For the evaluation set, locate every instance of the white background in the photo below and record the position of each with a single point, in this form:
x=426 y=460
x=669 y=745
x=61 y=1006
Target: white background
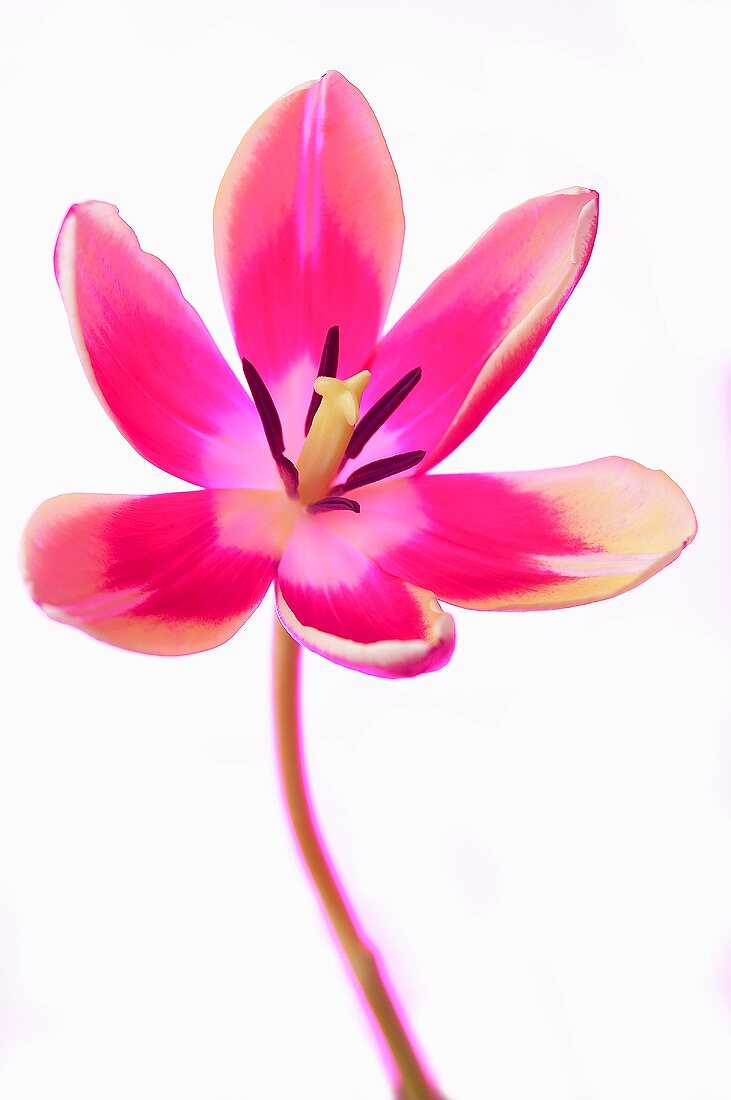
x=539 y=835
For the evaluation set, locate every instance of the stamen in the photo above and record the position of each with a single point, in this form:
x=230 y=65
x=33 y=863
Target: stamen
x=380 y=469
x=265 y=407
x=334 y=504
x=272 y=426
x=380 y=412
x=289 y=474
x=328 y=368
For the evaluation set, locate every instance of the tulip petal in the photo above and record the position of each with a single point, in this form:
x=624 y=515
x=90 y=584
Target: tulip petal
x=526 y=541
x=169 y=574
x=332 y=598
x=477 y=327
x=309 y=229
x=150 y=359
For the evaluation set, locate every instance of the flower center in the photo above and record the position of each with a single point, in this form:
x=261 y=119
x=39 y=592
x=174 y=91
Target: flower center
x=333 y=432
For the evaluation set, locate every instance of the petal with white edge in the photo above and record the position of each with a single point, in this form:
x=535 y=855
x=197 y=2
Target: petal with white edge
x=337 y=602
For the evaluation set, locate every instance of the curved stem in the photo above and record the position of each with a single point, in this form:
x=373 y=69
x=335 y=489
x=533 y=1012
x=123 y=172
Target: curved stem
x=411 y=1079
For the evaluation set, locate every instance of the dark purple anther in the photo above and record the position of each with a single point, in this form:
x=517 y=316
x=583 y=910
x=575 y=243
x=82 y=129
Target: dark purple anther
x=334 y=504
x=288 y=473
x=380 y=469
x=379 y=413
x=328 y=368
x=272 y=426
x=265 y=407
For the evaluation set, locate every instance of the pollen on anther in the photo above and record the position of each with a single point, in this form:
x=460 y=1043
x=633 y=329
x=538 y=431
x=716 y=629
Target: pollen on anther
x=265 y=407
x=272 y=426
x=379 y=413
x=334 y=504
x=289 y=474
x=328 y=368
x=380 y=470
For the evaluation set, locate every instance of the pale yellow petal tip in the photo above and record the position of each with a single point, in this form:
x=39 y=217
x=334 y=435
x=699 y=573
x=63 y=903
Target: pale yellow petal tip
x=674 y=510
x=444 y=628
x=441 y=623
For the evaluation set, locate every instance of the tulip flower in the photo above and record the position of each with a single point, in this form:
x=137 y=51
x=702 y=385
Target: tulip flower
x=320 y=481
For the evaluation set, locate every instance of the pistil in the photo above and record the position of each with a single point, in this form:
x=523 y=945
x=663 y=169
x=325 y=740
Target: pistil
x=330 y=433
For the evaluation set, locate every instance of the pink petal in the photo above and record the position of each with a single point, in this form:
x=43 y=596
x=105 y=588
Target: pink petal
x=309 y=228
x=337 y=602
x=170 y=574
x=524 y=541
x=150 y=359
x=477 y=327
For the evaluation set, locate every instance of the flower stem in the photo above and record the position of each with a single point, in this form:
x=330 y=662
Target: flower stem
x=411 y=1079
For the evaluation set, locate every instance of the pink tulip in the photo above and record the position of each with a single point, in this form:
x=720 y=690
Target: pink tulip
x=308 y=232
x=319 y=481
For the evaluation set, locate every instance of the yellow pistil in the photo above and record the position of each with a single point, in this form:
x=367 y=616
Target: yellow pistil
x=330 y=433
